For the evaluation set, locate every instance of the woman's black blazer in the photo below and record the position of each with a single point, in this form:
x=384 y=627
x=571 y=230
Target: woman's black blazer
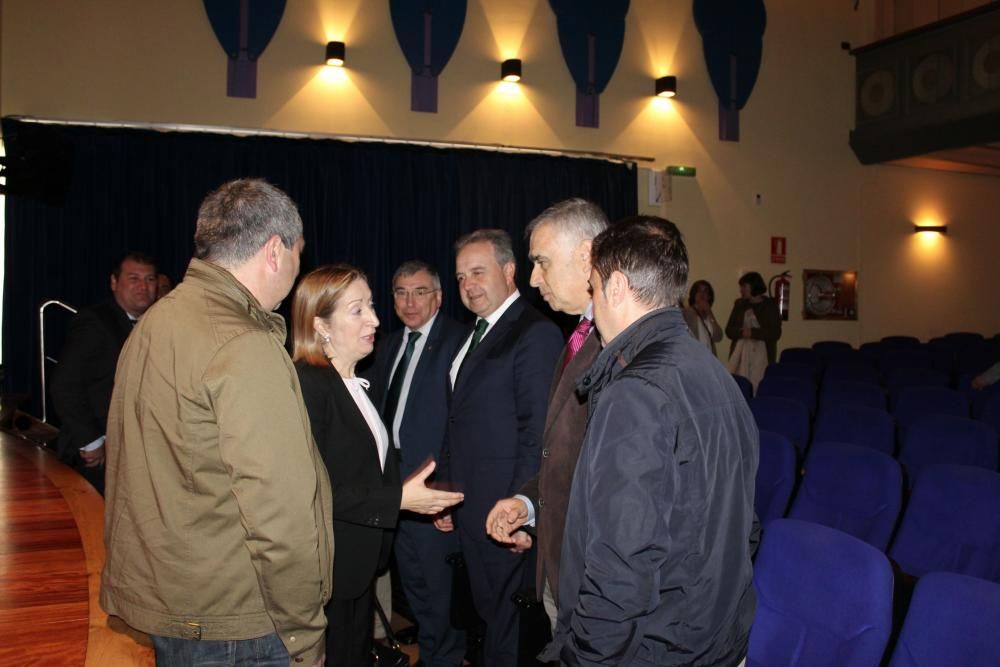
x=365 y=500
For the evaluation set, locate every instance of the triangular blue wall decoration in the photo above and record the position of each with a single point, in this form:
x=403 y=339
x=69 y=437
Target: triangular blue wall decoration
x=591 y=34
x=732 y=37
x=428 y=32
x=244 y=28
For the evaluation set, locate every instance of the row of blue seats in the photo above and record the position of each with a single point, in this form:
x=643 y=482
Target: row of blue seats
x=949 y=521
x=922 y=423
x=826 y=599
x=954 y=353
x=858 y=384
x=967 y=359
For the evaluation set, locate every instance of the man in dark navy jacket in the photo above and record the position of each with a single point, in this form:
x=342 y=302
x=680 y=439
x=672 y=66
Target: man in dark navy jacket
x=412 y=368
x=656 y=557
x=500 y=379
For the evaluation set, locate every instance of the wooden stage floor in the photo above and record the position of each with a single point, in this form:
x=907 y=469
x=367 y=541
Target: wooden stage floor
x=51 y=555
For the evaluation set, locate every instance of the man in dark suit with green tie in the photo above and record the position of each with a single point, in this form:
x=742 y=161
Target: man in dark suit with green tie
x=500 y=379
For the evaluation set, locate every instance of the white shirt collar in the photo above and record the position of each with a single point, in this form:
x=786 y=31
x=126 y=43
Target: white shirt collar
x=492 y=318
x=425 y=330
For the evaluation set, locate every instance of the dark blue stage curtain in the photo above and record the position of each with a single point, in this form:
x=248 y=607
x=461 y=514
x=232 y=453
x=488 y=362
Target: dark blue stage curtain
x=374 y=205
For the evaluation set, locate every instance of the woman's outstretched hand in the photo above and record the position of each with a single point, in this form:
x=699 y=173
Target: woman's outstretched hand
x=419 y=498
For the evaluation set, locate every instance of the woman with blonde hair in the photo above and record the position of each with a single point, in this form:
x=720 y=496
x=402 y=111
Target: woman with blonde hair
x=333 y=328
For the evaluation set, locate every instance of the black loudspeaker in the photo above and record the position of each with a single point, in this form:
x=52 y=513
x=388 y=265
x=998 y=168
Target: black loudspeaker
x=39 y=163
x=877 y=97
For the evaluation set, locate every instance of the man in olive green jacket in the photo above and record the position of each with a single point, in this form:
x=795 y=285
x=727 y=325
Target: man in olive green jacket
x=218 y=521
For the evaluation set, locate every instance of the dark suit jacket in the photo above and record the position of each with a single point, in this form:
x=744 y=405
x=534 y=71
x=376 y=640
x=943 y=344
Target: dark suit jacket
x=365 y=500
x=497 y=413
x=565 y=424
x=425 y=414
x=83 y=380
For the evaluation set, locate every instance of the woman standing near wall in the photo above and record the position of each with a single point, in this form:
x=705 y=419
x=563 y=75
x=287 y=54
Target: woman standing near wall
x=754 y=326
x=699 y=316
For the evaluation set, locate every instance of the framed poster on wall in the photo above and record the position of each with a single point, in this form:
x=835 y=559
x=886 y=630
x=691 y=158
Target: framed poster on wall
x=830 y=295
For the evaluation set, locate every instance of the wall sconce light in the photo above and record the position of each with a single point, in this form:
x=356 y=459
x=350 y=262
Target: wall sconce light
x=940 y=229
x=335 y=52
x=510 y=70
x=666 y=86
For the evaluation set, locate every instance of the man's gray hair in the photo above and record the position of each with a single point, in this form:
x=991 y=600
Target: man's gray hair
x=235 y=221
x=503 y=248
x=577 y=218
x=412 y=266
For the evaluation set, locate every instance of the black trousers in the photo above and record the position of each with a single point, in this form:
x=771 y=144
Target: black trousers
x=349 y=630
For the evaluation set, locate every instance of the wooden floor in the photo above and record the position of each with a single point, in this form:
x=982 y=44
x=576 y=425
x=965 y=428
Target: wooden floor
x=51 y=555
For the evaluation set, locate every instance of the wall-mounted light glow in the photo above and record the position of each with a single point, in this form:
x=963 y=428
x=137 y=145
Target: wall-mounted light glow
x=335 y=52
x=666 y=86
x=510 y=70
x=939 y=229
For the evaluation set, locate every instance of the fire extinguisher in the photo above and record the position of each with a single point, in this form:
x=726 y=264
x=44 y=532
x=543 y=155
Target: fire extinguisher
x=779 y=288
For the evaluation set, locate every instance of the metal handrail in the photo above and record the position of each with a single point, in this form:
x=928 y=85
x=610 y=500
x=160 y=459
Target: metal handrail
x=41 y=349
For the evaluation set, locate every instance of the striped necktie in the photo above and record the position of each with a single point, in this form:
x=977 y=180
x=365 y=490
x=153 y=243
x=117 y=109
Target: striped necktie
x=577 y=339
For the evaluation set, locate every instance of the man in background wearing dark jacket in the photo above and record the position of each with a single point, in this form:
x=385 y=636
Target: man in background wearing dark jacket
x=656 y=557
x=81 y=386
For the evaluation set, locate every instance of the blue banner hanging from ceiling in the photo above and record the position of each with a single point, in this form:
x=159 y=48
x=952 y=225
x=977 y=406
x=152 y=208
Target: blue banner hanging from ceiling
x=591 y=35
x=244 y=29
x=732 y=37
x=427 y=32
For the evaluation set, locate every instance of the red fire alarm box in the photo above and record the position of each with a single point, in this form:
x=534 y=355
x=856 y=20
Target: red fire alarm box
x=778 y=249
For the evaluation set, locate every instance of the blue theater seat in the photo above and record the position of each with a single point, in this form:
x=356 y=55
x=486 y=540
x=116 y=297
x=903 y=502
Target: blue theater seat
x=854 y=489
x=951 y=523
x=952 y=620
x=824 y=598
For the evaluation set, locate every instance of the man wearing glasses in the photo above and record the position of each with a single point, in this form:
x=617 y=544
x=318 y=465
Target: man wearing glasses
x=412 y=367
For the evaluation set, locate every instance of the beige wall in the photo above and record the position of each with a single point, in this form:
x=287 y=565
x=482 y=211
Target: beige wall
x=128 y=60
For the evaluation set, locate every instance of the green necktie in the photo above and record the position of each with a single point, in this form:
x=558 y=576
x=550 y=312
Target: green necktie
x=477 y=335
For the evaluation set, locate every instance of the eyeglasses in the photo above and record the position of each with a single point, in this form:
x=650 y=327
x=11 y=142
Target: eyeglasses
x=420 y=293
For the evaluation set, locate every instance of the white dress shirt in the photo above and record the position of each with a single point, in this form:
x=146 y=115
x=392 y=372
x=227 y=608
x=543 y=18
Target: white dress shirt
x=404 y=390
x=357 y=387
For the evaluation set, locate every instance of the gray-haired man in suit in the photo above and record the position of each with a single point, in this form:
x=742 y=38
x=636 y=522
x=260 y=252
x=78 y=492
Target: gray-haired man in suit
x=560 y=241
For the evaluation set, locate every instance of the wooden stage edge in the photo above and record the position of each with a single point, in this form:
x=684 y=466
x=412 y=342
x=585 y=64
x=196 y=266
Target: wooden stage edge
x=110 y=642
